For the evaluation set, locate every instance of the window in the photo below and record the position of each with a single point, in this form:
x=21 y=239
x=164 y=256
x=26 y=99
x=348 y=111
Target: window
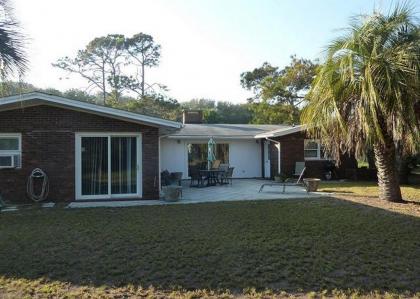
x=10 y=151
x=222 y=153
x=313 y=149
x=197 y=154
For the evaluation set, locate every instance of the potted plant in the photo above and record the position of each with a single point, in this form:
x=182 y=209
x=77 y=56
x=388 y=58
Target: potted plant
x=172 y=193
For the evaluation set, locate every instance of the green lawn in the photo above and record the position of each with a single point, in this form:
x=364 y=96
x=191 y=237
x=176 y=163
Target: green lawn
x=302 y=247
x=411 y=192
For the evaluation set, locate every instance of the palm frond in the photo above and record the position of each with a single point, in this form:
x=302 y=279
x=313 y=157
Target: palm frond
x=367 y=88
x=12 y=43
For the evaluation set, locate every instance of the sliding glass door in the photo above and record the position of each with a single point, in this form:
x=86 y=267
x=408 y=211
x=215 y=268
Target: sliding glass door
x=123 y=165
x=94 y=165
x=107 y=166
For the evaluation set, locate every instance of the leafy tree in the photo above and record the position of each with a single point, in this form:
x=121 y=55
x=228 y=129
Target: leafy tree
x=253 y=80
x=79 y=95
x=8 y=88
x=211 y=116
x=12 y=54
x=266 y=113
x=278 y=94
x=200 y=104
x=365 y=92
x=220 y=112
x=291 y=84
x=107 y=64
x=230 y=113
x=207 y=106
x=154 y=105
x=100 y=64
x=143 y=52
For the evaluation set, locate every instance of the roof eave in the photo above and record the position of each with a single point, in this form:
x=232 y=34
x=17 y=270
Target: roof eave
x=195 y=137
x=31 y=99
x=279 y=133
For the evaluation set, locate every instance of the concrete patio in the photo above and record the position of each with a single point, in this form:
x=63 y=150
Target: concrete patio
x=241 y=189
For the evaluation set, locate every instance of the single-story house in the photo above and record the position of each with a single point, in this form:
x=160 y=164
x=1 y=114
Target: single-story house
x=256 y=151
x=92 y=152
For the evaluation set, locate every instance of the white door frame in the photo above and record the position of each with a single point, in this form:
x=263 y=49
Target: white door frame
x=78 y=164
x=278 y=146
x=267 y=162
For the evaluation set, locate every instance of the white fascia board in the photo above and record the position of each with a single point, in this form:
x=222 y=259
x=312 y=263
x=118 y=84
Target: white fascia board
x=278 y=133
x=197 y=137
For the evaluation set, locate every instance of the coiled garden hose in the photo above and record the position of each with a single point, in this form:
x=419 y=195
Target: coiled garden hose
x=37 y=174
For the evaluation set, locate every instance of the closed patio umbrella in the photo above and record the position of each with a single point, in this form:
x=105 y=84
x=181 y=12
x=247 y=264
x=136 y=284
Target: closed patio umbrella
x=211 y=154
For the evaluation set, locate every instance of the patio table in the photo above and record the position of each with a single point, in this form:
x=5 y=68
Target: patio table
x=212 y=176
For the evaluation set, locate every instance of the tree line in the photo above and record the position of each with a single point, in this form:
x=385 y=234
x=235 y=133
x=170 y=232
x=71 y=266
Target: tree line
x=114 y=67
x=278 y=94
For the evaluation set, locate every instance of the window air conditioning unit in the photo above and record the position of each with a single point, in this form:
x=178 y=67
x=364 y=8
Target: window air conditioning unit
x=7 y=161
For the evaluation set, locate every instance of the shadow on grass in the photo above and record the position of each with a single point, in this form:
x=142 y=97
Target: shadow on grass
x=290 y=245
x=335 y=191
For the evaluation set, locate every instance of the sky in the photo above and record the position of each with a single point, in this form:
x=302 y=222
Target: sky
x=206 y=44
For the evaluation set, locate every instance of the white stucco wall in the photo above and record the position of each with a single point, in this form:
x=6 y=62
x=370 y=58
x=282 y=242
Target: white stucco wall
x=173 y=156
x=244 y=155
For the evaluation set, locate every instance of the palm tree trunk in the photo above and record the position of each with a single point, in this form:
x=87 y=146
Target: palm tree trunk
x=388 y=181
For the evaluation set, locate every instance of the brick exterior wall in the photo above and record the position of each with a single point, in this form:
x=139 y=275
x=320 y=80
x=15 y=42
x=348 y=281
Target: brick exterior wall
x=48 y=142
x=292 y=151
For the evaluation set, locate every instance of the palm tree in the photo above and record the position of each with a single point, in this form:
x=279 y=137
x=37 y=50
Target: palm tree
x=12 y=54
x=364 y=94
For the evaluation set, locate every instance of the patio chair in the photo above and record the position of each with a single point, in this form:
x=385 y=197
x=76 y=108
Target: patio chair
x=165 y=178
x=216 y=164
x=299 y=166
x=196 y=176
x=287 y=182
x=176 y=178
x=173 y=178
x=227 y=176
x=224 y=167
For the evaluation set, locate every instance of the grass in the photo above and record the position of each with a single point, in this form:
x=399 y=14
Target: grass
x=361 y=163
x=368 y=189
x=309 y=247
